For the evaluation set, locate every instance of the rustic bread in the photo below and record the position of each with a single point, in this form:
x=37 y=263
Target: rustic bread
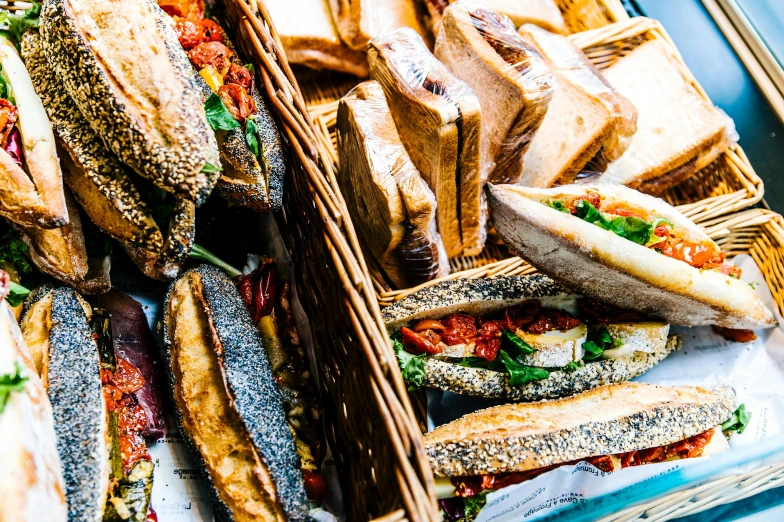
x=586 y=118
x=439 y=122
x=604 y=421
x=544 y=13
x=359 y=21
x=389 y=202
x=313 y=40
x=512 y=81
x=678 y=131
x=603 y=265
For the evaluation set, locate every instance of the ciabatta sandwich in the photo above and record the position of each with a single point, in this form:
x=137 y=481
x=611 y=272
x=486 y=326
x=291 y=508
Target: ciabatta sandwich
x=439 y=122
x=632 y=250
x=612 y=427
x=678 y=131
x=31 y=481
x=390 y=204
x=588 y=124
x=510 y=78
x=521 y=338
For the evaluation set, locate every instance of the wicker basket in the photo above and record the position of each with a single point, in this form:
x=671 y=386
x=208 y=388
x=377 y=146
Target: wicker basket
x=371 y=422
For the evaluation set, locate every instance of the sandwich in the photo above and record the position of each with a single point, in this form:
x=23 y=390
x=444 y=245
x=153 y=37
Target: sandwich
x=359 y=21
x=520 y=338
x=439 y=123
x=224 y=391
x=544 y=13
x=588 y=124
x=31 y=482
x=31 y=184
x=632 y=250
x=137 y=90
x=100 y=400
x=250 y=148
x=678 y=131
x=313 y=40
x=510 y=78
x=390 y=204
x=610 y=428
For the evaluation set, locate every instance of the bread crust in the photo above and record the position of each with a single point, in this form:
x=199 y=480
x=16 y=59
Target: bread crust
x=604 y=421
x=600 y=264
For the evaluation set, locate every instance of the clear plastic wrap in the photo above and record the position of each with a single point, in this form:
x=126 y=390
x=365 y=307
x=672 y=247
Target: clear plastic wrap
x=678 y=130
x=588 y=124
x=439 y=123
x=310 y=38
x=544 y=13
x=391 y=206
x=359 y=21
x=513 y=82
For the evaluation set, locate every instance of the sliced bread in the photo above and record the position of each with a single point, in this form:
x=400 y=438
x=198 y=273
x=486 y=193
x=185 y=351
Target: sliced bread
x=543 y=13
x=359 y=21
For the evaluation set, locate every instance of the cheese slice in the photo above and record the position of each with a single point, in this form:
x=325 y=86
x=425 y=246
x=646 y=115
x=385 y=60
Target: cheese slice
x=555 y=349
x=444 y=488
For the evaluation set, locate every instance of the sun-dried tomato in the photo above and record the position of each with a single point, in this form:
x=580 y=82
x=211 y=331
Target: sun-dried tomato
x=127 y=378
x=152 y=516
x=133 y=449
x=591 y=197
x=458 y=329
x=734 y=334
x=238 y=101
x=244 y=284
x=487 y=348
x=602 y=462
x=211 y=53
x=188 y=34
x=522 y=314
x=427 y=324
x=191 y=9
x=131 y=418
x=622 y=211
x=315 y=485
x=550 y=319
x=8 y=116
x=492 y=328
x=417 y=343
x=239 y=75
x=210 y=30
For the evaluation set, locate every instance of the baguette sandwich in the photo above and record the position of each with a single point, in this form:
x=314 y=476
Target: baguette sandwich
x=611 y=428
x=438 y=120
x=359 y=21
x=521 y=338
x=678 y=131
x=31 y=481
x=101 y=405
x=544 y=13
x=31 y=184
x=389 y=202
x=635 y=251
x=510 y=78
x=588 y=124
x=313 y=40
x=223 y=387
x=248 y=138
x=122 y=66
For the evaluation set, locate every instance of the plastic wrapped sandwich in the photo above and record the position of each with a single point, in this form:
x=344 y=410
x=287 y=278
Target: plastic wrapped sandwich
x=544 y=13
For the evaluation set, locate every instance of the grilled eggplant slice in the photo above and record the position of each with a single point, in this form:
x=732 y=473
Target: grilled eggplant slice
x=108 y=473
x=63 y=253
x=31 y=184
x=31 y=481
x=228 y=407
x=136 y=89
x=97 y=179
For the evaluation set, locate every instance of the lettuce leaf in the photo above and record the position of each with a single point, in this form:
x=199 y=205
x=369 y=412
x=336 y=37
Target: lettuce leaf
x=629 y=227
x=411 y=366
x=738 y=421
x=520 y=374
x=11 y=382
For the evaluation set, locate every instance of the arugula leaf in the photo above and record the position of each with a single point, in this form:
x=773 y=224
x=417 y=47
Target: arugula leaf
x=519 y=374
x=16 y=294
x=738 y=421
x=753 y=284
x=250 y=67
x=218 y=115
x=473 y=505
x=209 y=168
x=252 y=136
x=11 y=383
x=411 y=366
x=571 y=367
x=17 y=23
x=558 y=205
x=13 y=252
x=5 y=88
x=514 y=345
x=629 y=227
x=598 y=342
x=202 y=254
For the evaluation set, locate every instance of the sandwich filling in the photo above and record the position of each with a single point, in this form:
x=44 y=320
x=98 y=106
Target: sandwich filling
x=10 y=137
x=640 y=226
x=529 y=340
x=266 y=297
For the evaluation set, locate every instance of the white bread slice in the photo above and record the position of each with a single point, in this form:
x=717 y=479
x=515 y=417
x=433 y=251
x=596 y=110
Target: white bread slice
x=313 y=40
x=439 y=123
x=391 y=206
x=586 y=117
x=604 y=421
x=513 y=82
x=600 y=264
x=359 y=21
x=677 y=129
x=543 y=13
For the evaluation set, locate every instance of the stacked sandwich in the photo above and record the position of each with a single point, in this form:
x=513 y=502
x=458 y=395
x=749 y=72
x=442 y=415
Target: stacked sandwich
x=628 y=265
x=127 y=140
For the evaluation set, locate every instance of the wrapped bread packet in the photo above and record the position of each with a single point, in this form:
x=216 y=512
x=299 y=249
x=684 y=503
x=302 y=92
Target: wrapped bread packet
x=544 y=13
x=390 y=204
x=510 y=78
